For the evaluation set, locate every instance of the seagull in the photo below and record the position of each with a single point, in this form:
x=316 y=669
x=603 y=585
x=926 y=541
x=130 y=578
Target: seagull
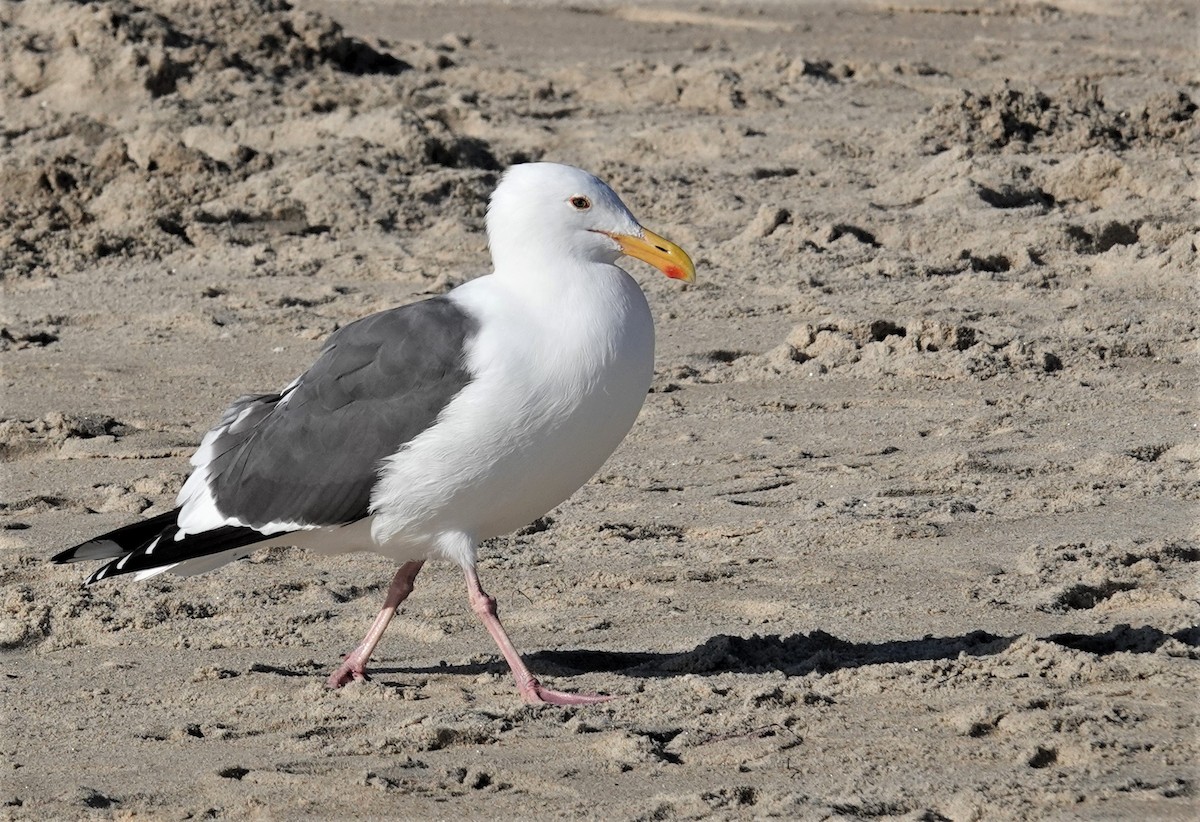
x=422 y=430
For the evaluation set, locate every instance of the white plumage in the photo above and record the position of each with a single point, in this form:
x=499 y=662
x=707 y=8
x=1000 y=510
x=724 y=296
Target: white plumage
x=424 y=430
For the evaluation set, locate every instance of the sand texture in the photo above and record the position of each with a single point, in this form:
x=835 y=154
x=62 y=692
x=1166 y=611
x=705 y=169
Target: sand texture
x=907 y=528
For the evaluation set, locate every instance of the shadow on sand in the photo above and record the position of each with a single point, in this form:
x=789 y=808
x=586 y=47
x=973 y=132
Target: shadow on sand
x=801 y=654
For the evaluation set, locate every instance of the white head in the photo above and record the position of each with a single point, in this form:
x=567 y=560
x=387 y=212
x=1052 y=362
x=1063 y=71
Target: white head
x=557 y=212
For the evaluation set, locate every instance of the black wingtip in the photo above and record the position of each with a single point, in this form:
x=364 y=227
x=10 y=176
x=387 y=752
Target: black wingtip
x=100 y=573
x=163 y=550
x=119 y=542
x=92 y=549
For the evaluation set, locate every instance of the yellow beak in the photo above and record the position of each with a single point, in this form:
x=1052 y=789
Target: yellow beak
x=660 y=252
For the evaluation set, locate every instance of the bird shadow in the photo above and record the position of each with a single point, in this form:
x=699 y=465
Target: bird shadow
x=800 y=654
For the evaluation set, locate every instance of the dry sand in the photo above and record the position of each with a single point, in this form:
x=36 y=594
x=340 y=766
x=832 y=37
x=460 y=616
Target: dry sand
x=907 y=529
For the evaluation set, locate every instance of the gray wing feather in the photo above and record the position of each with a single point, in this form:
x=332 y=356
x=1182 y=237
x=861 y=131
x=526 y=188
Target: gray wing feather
x=313 y=460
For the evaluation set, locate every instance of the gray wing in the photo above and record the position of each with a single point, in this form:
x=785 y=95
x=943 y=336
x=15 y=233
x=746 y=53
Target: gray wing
x=310 y=454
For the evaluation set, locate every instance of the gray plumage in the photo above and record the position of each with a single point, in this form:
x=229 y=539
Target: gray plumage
x=310 y=455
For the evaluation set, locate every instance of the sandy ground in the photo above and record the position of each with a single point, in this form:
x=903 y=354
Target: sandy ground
x=907 y=529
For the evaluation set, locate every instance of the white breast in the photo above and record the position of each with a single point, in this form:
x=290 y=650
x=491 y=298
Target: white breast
x=559 y=380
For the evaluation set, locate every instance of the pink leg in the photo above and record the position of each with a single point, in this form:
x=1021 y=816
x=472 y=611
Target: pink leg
x=531 y=690
x=355 y=665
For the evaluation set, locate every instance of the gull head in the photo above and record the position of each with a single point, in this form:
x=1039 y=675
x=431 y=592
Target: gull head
x=552 y=212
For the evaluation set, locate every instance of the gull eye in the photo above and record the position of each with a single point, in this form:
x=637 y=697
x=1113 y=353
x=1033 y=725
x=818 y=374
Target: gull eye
x=580 y=203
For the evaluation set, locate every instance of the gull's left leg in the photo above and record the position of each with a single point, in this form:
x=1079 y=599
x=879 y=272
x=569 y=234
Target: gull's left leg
x=355 y=665
x=531 y=690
